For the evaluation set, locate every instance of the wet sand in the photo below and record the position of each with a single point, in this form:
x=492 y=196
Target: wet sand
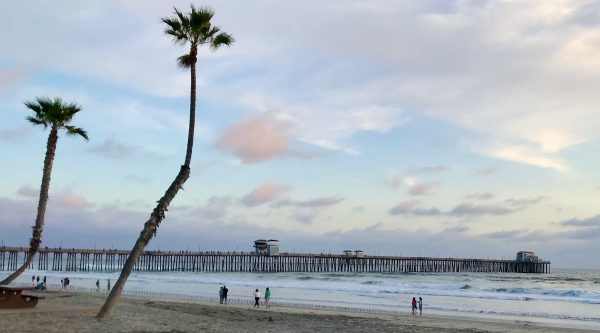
x=74 y=312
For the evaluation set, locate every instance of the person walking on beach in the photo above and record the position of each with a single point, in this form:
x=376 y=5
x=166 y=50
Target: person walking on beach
x=97 y=285
x=256 y=298
x=420 y=306
x=414 y=307
x=44 y=279
x=33 y=280
x=267 y=297
x=221 y=295
x=225 y=291
x=108 y=285
x=38 y=279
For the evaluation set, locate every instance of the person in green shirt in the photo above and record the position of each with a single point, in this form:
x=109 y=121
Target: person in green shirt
x=267 y=297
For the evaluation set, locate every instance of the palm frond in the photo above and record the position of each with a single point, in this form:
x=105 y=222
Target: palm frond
x=221 y=39
x=72 y=130
x=175 y=30
x=184 y=61
x=36 y=121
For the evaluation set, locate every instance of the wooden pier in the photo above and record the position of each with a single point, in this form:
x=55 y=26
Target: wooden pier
x=59 y=259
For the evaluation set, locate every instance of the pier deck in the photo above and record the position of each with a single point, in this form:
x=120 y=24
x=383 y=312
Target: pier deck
x=60 y=259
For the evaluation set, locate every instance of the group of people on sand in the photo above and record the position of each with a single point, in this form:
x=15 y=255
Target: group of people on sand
x=65 y=282
x=416 y=303
x=107 y=285
x=223 y=295
x=37 y=284
x=257 y=296
x=223 y=291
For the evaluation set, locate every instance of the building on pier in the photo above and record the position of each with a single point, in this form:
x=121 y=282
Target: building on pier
x=527 y=256
x=266 y=247
x=272 y=247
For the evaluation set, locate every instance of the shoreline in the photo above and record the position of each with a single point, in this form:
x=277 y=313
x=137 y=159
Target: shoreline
x=64 y=311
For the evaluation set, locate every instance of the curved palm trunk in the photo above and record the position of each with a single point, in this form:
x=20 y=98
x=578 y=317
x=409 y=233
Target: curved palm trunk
x=36 y=238
x=151 y=225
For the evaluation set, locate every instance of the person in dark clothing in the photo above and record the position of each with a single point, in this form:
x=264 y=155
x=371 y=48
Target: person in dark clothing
x=225 y=291
x=44 y=279
x=38 y=279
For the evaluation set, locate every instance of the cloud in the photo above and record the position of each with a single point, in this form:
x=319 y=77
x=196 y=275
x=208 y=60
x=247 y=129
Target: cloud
x=413 y=187
x=593 y=221
x=265 y=193
x=358 y=209
x=11 y=76
x=64 y=197
x=487 y=171
x=470 y=209
x=430 y=169
x=117 y=227
x=67 y=198
x=528 y=156
x=215 y=208
x=113 y=149
x=481 y=196
x=28 y=191
x=257 y=139
x=15 y=134
x=304 y=218
x=465 y=209
x=311 y=203
x=505 y=234
x=329 y=121
x=411 y=208
x=525 y=201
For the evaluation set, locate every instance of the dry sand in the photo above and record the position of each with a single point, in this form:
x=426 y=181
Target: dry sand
x=74 y=312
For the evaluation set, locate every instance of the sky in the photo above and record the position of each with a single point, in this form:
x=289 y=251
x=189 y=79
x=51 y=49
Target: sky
x=430 y=128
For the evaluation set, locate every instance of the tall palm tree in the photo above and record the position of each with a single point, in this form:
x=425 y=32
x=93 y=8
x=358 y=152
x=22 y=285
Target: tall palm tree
x=193 y=28
x=56 y=115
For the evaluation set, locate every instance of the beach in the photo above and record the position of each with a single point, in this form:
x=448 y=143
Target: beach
x=74 y=312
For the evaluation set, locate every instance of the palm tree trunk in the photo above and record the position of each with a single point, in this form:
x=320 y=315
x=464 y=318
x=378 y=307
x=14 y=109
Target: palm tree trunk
x=151 y=226
x=36 y=238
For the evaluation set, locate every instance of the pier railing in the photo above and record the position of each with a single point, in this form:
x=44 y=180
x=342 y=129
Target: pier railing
x=60 y=259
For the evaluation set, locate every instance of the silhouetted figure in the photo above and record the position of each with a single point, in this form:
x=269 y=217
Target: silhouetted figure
x=225 y=291
x=108 y=285
x=97 y=285
x=221 y=295
x=420 y=306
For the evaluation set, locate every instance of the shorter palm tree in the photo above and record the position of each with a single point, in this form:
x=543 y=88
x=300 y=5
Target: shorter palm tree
x=56 y=115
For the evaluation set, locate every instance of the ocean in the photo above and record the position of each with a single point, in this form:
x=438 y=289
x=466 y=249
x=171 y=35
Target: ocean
x=566 y=298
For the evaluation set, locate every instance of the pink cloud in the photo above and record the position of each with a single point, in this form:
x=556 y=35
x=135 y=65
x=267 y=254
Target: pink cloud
x=263 y=194
x=11 y=76
x=67 y=198
x=254 y=140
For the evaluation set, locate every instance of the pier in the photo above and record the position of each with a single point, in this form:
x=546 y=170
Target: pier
x=60 y=259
